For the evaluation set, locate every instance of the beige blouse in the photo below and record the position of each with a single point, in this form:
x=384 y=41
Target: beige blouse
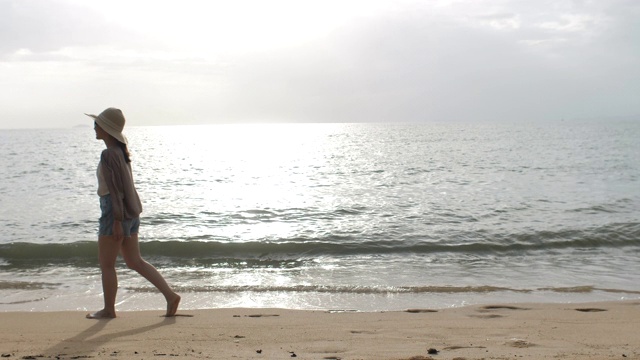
x=115 y=178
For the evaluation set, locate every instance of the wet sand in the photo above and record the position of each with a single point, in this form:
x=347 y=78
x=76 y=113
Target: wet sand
x=609 y=330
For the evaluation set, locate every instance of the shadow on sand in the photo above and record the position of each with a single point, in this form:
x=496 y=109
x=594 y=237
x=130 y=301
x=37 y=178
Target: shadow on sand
x=86 y=343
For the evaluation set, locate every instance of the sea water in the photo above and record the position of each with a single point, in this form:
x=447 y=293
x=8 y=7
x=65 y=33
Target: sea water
x=332 y=216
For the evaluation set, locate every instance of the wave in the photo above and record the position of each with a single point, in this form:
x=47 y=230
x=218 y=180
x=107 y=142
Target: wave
x=324 y=289
x=289 y=252
x=26 y=285
x=384 y=290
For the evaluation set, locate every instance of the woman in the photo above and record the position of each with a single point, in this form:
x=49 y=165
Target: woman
x=119 y=222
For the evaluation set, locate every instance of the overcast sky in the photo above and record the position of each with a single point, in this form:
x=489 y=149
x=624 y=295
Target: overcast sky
x=187 y=62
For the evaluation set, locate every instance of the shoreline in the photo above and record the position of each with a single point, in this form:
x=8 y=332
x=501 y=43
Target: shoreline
x=597 y=330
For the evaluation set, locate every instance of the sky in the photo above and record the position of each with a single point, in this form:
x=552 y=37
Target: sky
x=195 y=62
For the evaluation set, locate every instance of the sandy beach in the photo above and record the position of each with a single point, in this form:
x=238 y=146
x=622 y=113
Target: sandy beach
x=500 y=331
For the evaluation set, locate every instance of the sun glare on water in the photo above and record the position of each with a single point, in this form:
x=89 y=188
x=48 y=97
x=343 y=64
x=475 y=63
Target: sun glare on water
x=249 y=169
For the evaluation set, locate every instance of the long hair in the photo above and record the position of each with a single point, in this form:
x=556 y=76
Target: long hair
x=125 y=151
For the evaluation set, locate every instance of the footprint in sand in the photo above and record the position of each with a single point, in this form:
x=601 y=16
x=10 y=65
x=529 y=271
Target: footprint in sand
x=464 y=347
x=487 y=316
x=488 y=308
x=519 y=343
x=499 y=307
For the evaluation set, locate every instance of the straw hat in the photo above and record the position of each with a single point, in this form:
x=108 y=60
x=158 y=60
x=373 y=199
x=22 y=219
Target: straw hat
x=112 y=121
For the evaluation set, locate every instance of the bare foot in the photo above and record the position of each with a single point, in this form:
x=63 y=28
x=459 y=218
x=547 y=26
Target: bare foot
x=102 y=314
x=172 y=306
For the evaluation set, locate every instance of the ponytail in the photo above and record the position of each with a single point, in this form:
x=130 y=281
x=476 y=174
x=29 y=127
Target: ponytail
x=125 y=151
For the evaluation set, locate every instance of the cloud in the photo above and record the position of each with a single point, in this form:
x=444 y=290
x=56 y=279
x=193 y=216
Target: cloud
x=415 y=61
x=501 y=21
x=39 y=26
x=572 y=23
x=425 y=67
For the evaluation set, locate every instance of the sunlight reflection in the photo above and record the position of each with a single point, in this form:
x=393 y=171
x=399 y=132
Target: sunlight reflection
x=276 y=168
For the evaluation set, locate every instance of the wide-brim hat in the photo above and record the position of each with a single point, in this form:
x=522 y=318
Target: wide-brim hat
x=112 y=121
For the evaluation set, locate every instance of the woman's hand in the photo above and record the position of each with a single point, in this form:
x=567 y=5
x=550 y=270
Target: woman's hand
x=118 y=234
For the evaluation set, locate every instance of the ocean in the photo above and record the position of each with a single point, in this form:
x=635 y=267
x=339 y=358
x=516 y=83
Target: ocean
x=344 y=217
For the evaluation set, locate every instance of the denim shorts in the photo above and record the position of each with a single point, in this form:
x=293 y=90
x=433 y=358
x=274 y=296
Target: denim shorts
x=129 y=226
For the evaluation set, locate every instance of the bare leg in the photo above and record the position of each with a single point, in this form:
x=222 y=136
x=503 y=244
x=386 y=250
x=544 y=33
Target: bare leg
x=131 y=255
x=108 y=249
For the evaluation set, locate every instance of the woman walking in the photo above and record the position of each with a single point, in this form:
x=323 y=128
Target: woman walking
x=119 y=222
